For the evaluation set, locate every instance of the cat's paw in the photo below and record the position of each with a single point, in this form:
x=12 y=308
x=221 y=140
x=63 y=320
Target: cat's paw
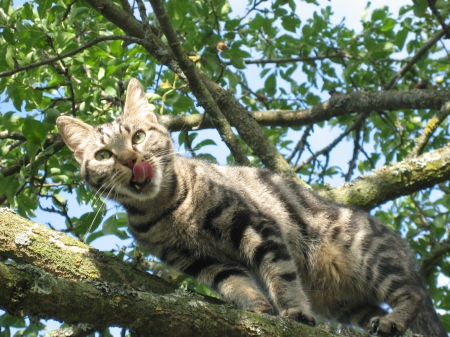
x=262 y=307
x=298 y=315
x=381 y=326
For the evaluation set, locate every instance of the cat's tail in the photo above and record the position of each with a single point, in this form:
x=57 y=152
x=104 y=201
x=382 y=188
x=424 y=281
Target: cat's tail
x=427 y=322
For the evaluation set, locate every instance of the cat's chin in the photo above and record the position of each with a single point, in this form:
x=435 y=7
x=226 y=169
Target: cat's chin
x=143 y=191
x=139 y=187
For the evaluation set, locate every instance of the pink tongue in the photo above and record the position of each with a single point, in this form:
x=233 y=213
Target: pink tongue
x=142 y=172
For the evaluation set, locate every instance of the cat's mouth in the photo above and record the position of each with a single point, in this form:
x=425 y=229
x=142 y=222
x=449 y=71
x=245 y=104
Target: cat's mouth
x=142 y=176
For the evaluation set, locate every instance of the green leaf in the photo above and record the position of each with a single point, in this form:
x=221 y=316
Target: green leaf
x=238 y=62
x=10 y=122
x=9 y=36
x=257 y=22
x=78 y=12
x=27 y=12
x=64 y=38
x=175 y=14
x=43 y=6
x=203 y=143
x=400 y=38
x=290 y=23
x=111 y=91
x=9 y=185
x=420 y=7
x=9 y=57
x=8 y=320
x=6 y=5
x=270 y=85
x=109 y=226
x=88 y=222
x=34 y=131
x=388 y=25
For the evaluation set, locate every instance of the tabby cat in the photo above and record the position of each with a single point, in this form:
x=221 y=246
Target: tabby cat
x=263 y=242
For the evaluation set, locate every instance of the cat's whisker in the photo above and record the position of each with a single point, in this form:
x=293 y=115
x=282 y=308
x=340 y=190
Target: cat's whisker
x=98 y=212
x=111 y=183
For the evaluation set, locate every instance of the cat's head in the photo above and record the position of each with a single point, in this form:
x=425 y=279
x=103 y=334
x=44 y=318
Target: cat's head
x=127 y=158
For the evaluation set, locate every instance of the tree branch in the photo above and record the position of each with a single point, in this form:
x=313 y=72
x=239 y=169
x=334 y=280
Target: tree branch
x=68 y=54
x=393 y=181
x=296 y=59
x=337 y=105
x=429 y=262
x=427 y=46
x=445 y=28
x=326 y=150
x=70 y=281
x=198 y=88
x=431 y=126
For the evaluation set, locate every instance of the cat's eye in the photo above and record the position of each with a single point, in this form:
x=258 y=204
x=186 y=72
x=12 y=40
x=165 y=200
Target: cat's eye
x=138 y=137
x=102 y=155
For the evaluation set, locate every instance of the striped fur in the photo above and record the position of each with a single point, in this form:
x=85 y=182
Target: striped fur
x=264 y=243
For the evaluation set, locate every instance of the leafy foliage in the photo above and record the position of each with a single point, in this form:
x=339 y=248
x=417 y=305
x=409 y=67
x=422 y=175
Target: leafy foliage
x=270 y=57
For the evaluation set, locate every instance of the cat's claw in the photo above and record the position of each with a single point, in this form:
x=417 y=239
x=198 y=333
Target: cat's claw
x=384 y=327
x=298 y=315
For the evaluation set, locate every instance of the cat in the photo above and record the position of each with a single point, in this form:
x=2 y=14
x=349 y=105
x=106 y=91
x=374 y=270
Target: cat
x=263 y=242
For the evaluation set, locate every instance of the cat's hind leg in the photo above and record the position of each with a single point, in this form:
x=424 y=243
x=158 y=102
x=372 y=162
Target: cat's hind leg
x=405 y=301
x=356 y=314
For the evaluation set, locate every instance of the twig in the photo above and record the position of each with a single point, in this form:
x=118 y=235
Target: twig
x=296 y=59
x=440 y=250
x=68 y=54
x=427 y=46
x=299 y=148
x=188 y=143
x=328 y=148
x=429 y=130
x=356 y=149
x=12 y=135
x=197 y=86
x=259 y=97
x=445 y=28
x=255 y=4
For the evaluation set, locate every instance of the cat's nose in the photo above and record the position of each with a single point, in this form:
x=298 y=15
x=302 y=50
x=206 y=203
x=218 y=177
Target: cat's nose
x=128 y=161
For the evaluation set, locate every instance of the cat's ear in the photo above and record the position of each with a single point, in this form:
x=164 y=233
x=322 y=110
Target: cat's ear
x=136 y=103
x=74 y=133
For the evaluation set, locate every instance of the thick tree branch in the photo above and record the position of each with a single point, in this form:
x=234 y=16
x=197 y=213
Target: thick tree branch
x=337 y=105
x=59 y=277
x=393 y=181
x=197 y=86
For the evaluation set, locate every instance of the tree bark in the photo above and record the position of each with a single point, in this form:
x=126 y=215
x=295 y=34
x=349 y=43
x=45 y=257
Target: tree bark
x=56 y=276
x=337 y=105
x=393 y=181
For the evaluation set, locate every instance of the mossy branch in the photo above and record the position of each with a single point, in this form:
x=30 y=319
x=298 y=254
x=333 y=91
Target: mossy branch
x=56 y=276
x=393 y=181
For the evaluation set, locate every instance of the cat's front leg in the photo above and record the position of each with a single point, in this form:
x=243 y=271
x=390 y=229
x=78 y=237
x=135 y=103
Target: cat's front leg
x=233 y=283
x=277 y=268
